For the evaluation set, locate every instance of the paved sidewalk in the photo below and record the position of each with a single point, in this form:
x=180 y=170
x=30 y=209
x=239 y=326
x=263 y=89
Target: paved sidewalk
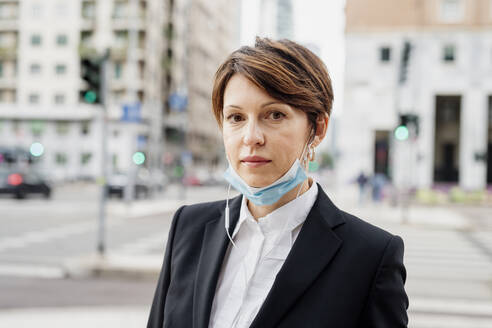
x=83 y=317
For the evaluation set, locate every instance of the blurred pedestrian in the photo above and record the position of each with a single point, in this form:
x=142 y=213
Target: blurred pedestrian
x=281 y=254
x=378 y=181
x=362 y=180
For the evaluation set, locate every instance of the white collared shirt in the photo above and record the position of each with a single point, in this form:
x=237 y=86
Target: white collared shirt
x=250 y=268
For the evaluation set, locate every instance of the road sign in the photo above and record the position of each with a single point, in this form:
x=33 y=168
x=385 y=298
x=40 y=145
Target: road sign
x=131 y=112
x=178 y=102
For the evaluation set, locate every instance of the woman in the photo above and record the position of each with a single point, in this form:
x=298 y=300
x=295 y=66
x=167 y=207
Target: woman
x=280 y=254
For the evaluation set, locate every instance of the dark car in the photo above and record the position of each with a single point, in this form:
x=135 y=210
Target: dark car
x=21 y=183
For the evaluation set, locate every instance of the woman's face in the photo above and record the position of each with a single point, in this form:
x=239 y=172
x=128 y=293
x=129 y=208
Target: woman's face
x=262 y=136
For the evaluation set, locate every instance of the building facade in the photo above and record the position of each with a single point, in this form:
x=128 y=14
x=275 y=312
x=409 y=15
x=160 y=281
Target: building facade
x=201 y=35
x=430 y=61
x=42 y=47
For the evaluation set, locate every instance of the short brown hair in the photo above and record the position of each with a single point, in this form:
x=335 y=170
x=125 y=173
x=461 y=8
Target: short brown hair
x=286 y=70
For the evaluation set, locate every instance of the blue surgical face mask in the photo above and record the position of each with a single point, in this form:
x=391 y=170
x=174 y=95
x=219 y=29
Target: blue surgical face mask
x=264 y=195
x=272 y=193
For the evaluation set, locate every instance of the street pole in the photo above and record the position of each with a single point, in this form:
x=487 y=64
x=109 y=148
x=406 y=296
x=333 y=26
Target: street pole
x=103 y=93
x=132 y=78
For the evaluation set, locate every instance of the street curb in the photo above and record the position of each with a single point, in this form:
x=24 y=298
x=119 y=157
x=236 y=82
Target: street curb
x=114 y=265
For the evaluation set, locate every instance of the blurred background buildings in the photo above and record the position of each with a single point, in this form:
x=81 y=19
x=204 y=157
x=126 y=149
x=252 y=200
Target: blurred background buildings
x=426 y=65
x=159 y=79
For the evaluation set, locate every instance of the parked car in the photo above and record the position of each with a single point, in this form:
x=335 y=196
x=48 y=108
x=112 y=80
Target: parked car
x=117 y=184
x=22 y=183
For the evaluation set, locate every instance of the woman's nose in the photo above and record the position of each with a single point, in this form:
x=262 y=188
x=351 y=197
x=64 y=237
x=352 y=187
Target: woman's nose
x=253 y=134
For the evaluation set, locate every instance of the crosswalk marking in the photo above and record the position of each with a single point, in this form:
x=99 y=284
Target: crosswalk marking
x=145 y=245
x=452 y=306
x=447 y=321
x=31 y=271
x=448 y=277
x=41 y=236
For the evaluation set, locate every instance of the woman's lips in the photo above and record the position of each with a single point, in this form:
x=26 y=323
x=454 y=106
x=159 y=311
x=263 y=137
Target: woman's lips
x=255 y=161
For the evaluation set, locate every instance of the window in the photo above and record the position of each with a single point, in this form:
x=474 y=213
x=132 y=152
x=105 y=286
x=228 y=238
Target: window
x=59 y=99
x=16 y=127
x=119 y=9
x=61 y=40
x=60 y=69
x=85 y=158
x=117 y=70
x=37 y=128
x=118 y=95
x=61 y=158
x=61 y=9
x=114 y=162
x=34 y=98
x=451 y=11
x=385 y=54
x=121 y=39
x=35 y=69
x=37 y=10
x=88 y=9
x=85 y=128
x=62 y=127
x=36 y=40
x=449 y=53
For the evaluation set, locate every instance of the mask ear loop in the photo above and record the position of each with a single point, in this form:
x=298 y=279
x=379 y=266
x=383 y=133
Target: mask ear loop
x=227 y=225
x=227 y=217
x=284 y=227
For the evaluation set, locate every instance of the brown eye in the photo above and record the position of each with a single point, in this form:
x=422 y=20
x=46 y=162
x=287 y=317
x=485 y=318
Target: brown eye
x=234 y=118
x=277 y=115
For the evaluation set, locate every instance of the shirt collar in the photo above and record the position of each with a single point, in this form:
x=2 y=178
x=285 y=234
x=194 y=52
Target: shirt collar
x=293 y=213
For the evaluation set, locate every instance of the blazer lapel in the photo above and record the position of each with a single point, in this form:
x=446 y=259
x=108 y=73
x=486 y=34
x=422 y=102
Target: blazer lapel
x=314 y=248
x=212 y=254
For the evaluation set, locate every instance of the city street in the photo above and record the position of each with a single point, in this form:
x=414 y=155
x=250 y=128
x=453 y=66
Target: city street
x=448 y=257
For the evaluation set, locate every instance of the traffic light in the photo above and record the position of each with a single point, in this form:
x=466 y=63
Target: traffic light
x=138 y=158
x=405 y=59
x=91 y=70
x=402 y=131
x=36 y=149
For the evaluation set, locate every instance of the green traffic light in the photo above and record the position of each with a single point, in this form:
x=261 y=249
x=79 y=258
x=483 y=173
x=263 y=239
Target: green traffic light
x=401 y=133
x=37 y=149
x=139 y=158
x=90 y=97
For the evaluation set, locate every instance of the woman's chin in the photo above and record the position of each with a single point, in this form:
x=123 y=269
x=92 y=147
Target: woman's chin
x=256 y=181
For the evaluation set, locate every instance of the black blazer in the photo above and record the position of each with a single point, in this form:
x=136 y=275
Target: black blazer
x=341 y=272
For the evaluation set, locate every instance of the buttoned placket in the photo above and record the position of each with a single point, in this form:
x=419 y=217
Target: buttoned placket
x=272 y=239
x=240 y=285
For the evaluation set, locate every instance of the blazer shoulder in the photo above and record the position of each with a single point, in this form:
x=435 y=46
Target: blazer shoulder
x=201 y=213
x=365 y=232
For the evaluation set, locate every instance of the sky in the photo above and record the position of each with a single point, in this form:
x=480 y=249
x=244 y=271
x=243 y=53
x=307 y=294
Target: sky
x=319 y=22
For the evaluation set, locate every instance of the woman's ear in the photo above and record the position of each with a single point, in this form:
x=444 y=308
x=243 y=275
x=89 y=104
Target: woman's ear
x=321 y=128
